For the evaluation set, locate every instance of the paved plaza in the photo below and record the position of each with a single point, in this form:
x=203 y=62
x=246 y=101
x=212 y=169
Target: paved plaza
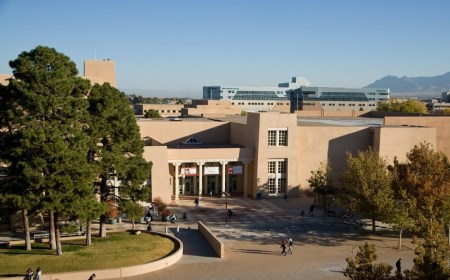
x=252 y=238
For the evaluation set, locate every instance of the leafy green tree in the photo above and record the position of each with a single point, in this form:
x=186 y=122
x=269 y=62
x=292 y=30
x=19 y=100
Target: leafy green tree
x=423 y=182
x=363 y=266
x=152 y=114
x=133 y=211
x=321 y=182
x=366 y=186
x=432 y=255
x=408 y=106
x=46 y=147
x=116 y=148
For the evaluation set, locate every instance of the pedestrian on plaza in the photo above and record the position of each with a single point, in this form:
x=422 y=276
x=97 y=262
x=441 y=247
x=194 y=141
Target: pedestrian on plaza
x=398 y=264
x=210 y=194
x=311 y=210
x=196 y=202
x=92 y=277
x=283 y=247
x=290 y=245
x=38 y=273
x=29 y=275
x=302 y=213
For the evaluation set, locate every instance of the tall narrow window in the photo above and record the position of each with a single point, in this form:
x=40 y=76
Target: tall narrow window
x=271 y=186
x=272 y=137
x=277 y=181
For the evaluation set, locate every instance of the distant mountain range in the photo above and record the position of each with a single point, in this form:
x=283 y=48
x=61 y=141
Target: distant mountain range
x=424 y=85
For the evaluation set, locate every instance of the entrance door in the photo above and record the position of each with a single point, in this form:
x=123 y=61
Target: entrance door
x=211 y=184
x=233 y=183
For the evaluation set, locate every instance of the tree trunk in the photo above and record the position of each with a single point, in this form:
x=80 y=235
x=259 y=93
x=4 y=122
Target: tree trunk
x=26 y=229
x=57 y=237
x=400 y=239
x=133 y=224
x=88 y=233
x=102 y=232
x=51 y=230
x=373 y=225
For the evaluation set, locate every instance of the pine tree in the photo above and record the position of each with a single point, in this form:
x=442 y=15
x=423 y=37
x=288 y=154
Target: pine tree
x=116 y=149
x=46 y=149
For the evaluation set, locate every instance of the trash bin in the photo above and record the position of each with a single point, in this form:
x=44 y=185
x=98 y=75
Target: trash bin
x=184 y=216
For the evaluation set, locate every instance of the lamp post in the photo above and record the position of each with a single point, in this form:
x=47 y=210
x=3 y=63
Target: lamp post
x=226 y=207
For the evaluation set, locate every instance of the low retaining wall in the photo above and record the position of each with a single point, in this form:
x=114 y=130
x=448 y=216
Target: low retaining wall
x=117 y=272
x=213 y=241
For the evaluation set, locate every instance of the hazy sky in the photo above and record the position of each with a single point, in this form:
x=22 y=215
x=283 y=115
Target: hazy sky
x=176 y=47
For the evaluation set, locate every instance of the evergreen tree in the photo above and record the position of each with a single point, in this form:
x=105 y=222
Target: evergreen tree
x=116 y=148
x=45 y=151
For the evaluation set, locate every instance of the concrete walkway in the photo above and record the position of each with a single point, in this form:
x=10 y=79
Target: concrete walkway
x=252 y=237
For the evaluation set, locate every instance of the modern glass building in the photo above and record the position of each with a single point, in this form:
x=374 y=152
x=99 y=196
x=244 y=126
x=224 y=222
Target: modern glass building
x=297 y=95
x=328 y=98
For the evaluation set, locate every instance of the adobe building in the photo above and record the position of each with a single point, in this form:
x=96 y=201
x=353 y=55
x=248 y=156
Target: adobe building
x=269 y=153
x=100 y=71
x=164 y=110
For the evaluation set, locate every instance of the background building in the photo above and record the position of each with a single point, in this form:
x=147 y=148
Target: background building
x=297 y=95
x=100 y=71
x=337 y=99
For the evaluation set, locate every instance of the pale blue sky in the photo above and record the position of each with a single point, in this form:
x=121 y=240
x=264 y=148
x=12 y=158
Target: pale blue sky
x=176 y=47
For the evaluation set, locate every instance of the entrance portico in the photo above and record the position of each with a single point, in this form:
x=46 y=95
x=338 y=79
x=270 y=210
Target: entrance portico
x=198 y=177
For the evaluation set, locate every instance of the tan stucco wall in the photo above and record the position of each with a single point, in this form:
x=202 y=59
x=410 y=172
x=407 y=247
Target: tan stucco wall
x=308 y=146
x=4 y=79
x=391 y=142
x=257 y=133
x=328 y=144
x=442 y=125
x=100 y=71
x=167 y=133
x=164 y=110
x=160 y=181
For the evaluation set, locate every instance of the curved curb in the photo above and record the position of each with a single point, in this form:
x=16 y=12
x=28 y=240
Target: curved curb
x=118 y=272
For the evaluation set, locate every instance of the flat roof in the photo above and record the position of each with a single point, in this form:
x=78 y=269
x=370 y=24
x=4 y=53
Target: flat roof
x=339 y=121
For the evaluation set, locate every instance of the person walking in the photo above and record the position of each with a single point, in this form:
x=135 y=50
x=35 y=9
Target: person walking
x=196 y=202
x=92 y=277
x=290 y=245
x=311 y=210
x=38 y=273
x=29 y=275
x=398 y=264
x=283 y=247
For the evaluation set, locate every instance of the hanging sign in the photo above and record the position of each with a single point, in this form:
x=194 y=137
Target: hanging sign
x=211 y=170
x=235 y=169
x=188 y=171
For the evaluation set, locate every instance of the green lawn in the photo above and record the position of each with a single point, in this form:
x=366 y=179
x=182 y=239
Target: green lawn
x=116 y=250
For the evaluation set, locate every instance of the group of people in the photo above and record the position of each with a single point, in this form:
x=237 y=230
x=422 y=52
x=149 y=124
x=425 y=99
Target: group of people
x=30 y=274
x=289 y=245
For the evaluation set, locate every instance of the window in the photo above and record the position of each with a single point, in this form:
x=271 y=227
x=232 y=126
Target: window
x=271 y=185
x=277 y=137
x=281 y=185
x=276 y=182
x=272 y=138
x=271 y=167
